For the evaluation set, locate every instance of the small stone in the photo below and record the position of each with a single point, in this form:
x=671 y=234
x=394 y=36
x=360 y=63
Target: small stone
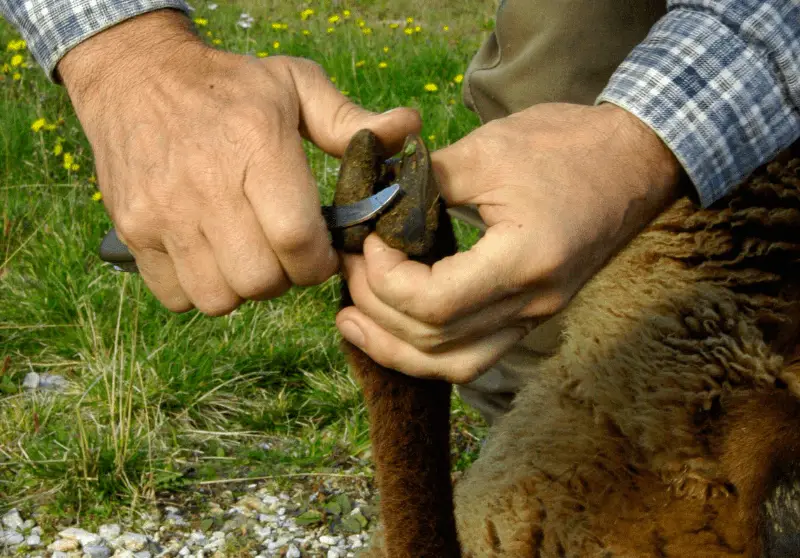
x=96 y=551
x=64 y=545
x=31 y=380
x=133 y=541
x=184 y=551
x=143 y=554
x=13 y=520
x=59 y=554
x=253 y=503
x=327 y=540
x=123 y=553
x=196 y=538
x=292 y=552
x=36 y=531
x=10 y=538
x=109 y=531
x=52 y=382
x=217 y=535
x=28 y=524
x=33 y=541
x=334 y=553
x=81 y=535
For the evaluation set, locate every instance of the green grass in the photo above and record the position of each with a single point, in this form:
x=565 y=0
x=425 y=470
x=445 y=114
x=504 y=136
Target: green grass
x=158 y=401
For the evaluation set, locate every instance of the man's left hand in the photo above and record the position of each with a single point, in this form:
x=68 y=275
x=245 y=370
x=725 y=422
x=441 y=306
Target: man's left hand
x=560 y=187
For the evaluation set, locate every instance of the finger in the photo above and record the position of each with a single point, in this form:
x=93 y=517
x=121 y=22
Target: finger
x=286 y=203
x=329 y=119
x=454 y=286
x=458 y=365
x=423 y=336
x=159 y=274
x=242 y=252
x=198 y=274
x=459 y=166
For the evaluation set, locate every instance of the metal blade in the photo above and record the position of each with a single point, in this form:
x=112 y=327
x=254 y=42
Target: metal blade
x=343 y=216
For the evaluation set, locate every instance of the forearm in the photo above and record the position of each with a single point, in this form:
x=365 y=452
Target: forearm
x=53 y=27
x=717 y=81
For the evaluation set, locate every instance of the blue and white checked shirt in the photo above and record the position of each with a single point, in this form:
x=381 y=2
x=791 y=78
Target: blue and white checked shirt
x=717 y=80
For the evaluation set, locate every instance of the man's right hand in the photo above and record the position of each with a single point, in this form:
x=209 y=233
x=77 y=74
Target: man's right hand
x=200 y=160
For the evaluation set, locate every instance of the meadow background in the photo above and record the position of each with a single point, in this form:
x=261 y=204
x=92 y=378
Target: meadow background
x=158 y=403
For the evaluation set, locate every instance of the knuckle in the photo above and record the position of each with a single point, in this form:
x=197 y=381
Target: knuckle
x=217 y=305
x=261 y=285
x=430 y=340
x=436 y=313
x=293 y=237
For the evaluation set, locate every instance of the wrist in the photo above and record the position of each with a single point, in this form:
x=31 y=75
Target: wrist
x=135 y=48
x=657 y=169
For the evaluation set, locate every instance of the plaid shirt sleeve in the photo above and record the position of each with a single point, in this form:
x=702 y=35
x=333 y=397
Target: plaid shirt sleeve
x=719 y=82
x=53 y=27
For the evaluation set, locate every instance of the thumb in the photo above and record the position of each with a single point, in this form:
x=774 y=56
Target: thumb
x=329 y=119
x=460 y=168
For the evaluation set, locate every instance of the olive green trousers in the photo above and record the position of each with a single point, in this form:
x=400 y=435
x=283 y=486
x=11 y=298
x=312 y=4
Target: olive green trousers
x=544 y=51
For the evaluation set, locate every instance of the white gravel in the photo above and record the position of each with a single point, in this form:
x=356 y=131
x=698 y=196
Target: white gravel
x=257 y=523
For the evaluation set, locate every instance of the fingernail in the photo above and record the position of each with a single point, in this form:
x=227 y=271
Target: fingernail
x=352 y=333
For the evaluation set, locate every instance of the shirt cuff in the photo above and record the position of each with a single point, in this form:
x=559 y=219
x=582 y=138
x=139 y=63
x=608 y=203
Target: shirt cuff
x=51 y=28
x=710 y=96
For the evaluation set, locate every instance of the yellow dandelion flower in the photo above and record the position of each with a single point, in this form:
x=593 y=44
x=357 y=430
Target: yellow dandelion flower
x=97 y=196
x=432 y=137
x=307 y=13
x=69 y=160
x=306 y=32
x=38 y=124
x=346 y=13
x=394 y=25
x=93 y=179
x=262 y=54
x=432 y=87
x=360 y=63
x=409 y=20
x=383 y=65
x=276 y=45
x=386 y=49
x=50 y=127
x=200 y=21
x=16 y=60
x=75 y=168
x=278 y=26
x=408 y=31
x=361 y=22
x=333 y=79
x=445 y=28
x=58 y=149
x=333 y=19
x=14 y=46
x=5 y=68
x=367 y=31
x=330 y=29
x=209 y=34
x=17 y=76
x=418 y=29
x=459 y=78
x=451 y=102
x=217 y=42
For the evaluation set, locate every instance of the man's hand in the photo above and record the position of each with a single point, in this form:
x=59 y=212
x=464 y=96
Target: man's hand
x=200 y=160
x=561 y=188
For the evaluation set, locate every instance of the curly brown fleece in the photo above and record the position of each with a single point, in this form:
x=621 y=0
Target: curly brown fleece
x=669 y=418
